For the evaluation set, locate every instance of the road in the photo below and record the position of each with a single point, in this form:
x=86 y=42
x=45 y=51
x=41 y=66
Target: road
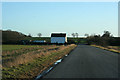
x=87 y=62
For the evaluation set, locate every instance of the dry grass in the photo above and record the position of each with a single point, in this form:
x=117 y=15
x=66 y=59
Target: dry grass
x=32 y=63
x=26 y=57
x=110 y=48
x=114 y=47
x=31 y=55
x=62 y=52
x=10 y=52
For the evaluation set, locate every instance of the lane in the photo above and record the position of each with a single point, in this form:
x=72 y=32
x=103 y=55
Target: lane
x=87 y=62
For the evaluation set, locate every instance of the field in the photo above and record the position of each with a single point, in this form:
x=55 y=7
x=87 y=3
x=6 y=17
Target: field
x=28 y=61
x=14 y=47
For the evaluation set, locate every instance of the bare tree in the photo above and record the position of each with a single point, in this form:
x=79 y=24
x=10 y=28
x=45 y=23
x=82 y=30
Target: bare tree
x=106 y=34
x=86 y=35
x=73 y=34
x=76 y=34
x=39 y=34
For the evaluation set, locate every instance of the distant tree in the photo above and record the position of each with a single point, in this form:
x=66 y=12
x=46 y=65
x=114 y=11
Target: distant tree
x=106 y=34
x=76 y=34
x=29 y=35
x=73 y=34
x=86 y=35
x=39 y=34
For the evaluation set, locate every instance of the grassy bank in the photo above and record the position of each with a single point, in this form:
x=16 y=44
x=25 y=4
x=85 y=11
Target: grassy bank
x=109 y=48
x=28 y=62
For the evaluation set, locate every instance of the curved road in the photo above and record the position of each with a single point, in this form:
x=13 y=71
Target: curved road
x=87 y=62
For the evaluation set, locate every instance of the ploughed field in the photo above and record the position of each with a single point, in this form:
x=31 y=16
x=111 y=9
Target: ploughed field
x=28 y=61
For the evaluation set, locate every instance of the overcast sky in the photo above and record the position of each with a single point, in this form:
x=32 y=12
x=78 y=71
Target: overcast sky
x=69 y=17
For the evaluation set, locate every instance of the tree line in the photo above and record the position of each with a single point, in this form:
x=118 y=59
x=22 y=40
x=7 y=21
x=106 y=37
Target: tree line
x=106 y=39
x=14 y=37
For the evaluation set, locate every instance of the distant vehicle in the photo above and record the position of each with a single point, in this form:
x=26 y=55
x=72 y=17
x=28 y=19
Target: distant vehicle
x=39 y=41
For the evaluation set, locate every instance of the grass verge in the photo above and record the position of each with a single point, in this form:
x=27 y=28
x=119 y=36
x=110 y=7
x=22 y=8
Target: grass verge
x=33 y=68
x=109 y=48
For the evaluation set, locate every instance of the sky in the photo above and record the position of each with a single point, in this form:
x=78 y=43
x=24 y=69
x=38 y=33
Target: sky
x=69 y=17
x=60 y=0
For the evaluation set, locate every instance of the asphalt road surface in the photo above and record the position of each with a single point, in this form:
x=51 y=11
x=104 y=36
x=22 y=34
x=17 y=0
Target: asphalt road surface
x=87 y=62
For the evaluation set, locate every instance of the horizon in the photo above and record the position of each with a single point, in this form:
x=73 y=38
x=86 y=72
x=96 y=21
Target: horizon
x=69 y=17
